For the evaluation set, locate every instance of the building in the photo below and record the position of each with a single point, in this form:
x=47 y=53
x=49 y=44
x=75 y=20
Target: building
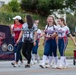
x=5 y=2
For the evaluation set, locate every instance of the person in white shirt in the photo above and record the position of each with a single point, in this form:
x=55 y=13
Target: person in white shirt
x=50 y=46
x=63 y=31
x=28 y=34
x=35 y=55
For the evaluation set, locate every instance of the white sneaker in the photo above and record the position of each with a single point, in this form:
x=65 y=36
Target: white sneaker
x=42 y=66
x=60 y=67
x=47 y=66
x=15 y=65
x=20 y=64
x=12 y=63
x=54 y=66
x=66 y=66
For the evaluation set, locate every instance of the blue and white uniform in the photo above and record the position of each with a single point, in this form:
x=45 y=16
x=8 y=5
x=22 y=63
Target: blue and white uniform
x=35 y=54
x=35 y=48
x=62 y=38
x=50 y=47
x=62 y=43
x=50 y=44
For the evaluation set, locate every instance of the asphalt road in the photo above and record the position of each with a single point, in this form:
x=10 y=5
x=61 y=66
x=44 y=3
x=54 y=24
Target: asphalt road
x=7 y=69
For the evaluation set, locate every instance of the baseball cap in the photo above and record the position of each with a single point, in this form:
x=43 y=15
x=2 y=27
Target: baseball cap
x=17 y=17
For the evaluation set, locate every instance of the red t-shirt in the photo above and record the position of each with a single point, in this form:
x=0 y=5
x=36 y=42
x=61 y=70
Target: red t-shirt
x=17 y=29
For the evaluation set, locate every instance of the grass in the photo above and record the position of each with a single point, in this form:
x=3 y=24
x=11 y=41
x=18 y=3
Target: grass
x=69 y=50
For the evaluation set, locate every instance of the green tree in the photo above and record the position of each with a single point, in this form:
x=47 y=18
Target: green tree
x=29 y=5
x=14 y=6
x=71 y=4
x=5 y=8
x=43 y=7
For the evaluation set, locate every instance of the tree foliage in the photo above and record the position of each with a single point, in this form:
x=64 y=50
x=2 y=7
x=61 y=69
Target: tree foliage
x=71 y=4
x=43 y=7
x=14 y=5
x=29 y=5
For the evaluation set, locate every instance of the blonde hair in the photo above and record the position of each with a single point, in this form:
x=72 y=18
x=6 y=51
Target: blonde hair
x=54 y=23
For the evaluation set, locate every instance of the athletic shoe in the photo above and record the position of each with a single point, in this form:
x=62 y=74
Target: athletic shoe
x=60 y=67
x=54 y=66
x=27 y=66
x=42 y=66
x=15 y=65
x=66 y=66
x=47 y=66
x=12 y=63
x=20 y=64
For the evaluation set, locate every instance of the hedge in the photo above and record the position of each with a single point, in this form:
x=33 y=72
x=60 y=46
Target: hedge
x=6 y=18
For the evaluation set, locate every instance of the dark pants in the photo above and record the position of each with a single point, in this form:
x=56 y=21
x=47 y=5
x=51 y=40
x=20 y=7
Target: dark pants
x=50 y=48
x=26 y=50
x=17 y=50
x=35 y=48
x=62 y=44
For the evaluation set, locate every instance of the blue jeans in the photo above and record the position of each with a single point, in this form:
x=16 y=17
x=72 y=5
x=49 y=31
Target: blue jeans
x=50 y=48
x=62 y=46
x=35 y=48
x=17 y=50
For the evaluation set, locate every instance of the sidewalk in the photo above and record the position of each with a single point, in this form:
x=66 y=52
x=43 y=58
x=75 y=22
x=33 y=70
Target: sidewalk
x=7 y=69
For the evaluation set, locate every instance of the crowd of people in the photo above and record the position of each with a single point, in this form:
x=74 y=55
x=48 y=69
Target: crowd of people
x=27 y=37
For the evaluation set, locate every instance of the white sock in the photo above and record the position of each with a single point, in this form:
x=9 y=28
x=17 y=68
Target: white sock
x=65 y=62
x=62 y=60
x=33 y=57
x=15 y=56
x=38 y=57
x=56 y=60
x=44 y=59
x=50 y=59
